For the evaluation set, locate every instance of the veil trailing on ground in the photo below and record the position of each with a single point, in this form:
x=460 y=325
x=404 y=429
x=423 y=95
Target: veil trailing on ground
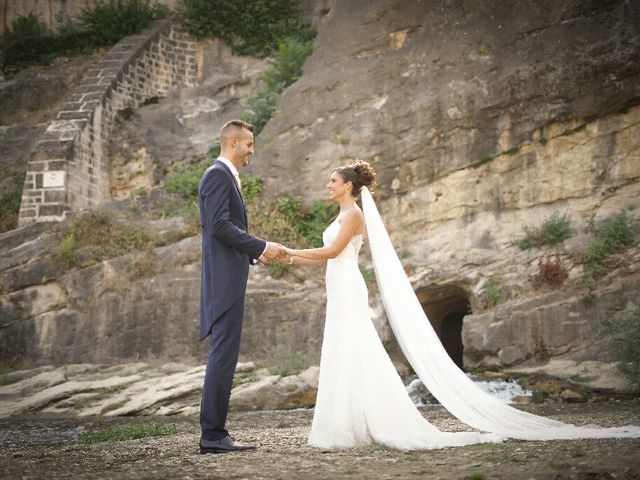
x=450 y=385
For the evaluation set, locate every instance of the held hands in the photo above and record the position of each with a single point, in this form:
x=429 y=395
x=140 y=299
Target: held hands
x=274 y=252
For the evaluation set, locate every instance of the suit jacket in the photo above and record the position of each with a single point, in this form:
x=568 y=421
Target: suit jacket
x=227 y=248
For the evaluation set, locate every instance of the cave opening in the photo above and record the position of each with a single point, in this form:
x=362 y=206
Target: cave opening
x=445 y=307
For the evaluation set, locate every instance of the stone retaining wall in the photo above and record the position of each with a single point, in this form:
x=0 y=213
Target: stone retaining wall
x=68 y=169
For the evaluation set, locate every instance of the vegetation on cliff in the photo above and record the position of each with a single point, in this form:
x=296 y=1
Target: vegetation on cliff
x=28 y=41
x=250 y=28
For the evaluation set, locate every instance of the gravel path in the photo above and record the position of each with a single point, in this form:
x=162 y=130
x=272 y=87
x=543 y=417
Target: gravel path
x=40 y=446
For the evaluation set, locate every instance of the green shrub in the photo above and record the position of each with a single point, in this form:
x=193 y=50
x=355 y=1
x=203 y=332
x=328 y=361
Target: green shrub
x=214 y=150
x=67 y=251
x=611 y=236
x=316 y=219
x=249 y=28
x=27 y=41
x=111 y=20
x=251 y=186
x=284 y=70
x=554 y=229
x=625 y=331
x=278 y=269
x=185 y=182
x=286 y=220
x=261 y=105
x=492 y=293
x=242 y=378
x=96 y=235
x=287 y=67
x=10 y=206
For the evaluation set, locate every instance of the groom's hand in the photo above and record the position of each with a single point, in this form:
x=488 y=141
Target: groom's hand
x=274 y=251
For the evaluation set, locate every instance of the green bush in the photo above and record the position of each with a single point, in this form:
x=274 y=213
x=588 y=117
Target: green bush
x=214 y=150
x=110 y=20
x=27 y=41
x=611 y=236
x=625 y=331
x=10 y=207
x=262 y=106
x=287 y=67
x=284 y=70
x=492 y=294
x=96 y=235
x=316 y=219
x=185 y=182
x=286 y=220
x=278 y=269
x=251 y=186
x=554 y=229
x=249 y=28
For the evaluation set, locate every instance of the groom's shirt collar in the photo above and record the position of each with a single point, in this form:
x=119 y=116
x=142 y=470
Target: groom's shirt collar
x=228 y=163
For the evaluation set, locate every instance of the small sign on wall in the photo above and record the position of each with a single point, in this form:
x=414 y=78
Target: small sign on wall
x=53 y=179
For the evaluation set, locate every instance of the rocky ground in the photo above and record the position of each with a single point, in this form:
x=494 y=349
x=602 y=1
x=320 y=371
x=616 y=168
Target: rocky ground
x=51 y=446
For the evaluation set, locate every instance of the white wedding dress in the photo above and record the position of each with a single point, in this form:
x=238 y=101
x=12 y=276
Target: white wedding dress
x=361 y=398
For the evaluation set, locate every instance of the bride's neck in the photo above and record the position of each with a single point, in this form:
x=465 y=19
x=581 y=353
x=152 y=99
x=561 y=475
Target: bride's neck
x=346 y=204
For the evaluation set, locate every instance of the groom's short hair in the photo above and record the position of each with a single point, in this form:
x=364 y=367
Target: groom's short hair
x=234 y=125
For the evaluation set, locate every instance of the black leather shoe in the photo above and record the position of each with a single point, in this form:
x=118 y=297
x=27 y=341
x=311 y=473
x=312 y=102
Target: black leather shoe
x=223 y=445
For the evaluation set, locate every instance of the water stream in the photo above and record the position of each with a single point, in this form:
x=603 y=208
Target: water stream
x=505 y=390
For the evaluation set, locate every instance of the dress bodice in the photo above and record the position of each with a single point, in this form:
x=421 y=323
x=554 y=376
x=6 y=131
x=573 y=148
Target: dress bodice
x=353 y=247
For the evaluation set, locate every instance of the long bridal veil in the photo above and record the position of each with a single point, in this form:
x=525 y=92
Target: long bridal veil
x=422 y=348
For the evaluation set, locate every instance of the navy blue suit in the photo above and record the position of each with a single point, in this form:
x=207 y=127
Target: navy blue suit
x=227 y=252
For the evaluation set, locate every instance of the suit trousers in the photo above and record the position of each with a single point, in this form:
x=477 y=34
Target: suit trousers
x=221 y=365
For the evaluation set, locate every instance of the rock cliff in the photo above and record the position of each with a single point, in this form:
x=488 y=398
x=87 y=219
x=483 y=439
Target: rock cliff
x=479 y=118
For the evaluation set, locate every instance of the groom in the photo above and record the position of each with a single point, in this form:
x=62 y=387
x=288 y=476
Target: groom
x=227 y=251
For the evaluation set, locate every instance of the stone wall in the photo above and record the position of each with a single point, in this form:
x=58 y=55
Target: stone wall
x=68 y=169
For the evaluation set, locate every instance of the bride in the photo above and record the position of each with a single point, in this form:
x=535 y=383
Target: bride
x=361 y=398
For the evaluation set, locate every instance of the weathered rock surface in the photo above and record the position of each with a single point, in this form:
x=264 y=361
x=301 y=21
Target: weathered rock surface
x=555 y=324
x=276 y=392
x=477 y=120
x=590 y=374
x=106 y=312
x=140 y=388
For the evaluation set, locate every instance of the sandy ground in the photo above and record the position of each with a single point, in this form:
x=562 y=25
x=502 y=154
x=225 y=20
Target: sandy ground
x=40 y=446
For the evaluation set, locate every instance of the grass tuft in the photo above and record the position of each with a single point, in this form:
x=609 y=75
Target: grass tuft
x=610 y=236
x=553 y=230
x=128 y=432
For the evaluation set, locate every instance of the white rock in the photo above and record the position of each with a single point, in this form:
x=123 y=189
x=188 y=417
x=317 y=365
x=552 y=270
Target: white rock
x=244 y=367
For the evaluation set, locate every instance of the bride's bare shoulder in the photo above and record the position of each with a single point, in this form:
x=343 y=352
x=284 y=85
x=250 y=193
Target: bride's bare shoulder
x=354 y=217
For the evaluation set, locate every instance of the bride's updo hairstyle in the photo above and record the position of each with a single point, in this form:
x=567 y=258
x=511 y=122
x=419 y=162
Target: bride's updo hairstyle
x=360 y=174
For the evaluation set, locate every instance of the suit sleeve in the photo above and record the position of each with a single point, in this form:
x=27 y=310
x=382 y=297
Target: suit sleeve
x=216 y=190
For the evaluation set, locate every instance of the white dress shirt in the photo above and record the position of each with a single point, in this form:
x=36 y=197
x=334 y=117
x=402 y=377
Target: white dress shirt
x=233 y=169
